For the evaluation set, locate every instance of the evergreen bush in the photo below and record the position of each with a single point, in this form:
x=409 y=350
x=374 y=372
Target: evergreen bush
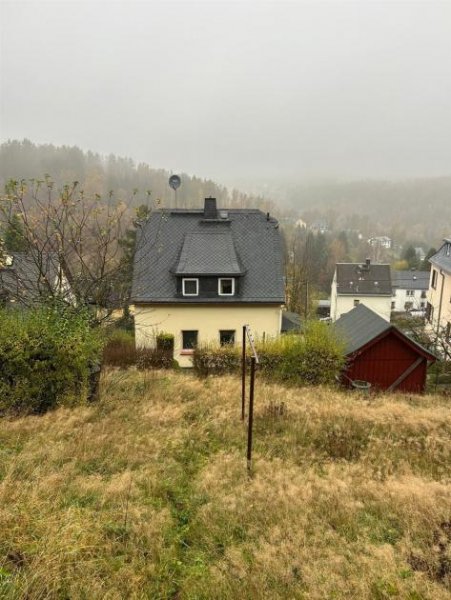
x=47 y=358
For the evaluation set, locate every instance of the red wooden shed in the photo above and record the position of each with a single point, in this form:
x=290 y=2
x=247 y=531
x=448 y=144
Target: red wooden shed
x=381 y=354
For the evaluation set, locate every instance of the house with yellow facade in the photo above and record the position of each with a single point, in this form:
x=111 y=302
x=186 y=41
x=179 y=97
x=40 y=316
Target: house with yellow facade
x=438 y=312
x=201 y=274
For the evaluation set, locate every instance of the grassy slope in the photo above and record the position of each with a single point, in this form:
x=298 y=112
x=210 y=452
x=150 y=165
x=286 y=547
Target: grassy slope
x=145 y=495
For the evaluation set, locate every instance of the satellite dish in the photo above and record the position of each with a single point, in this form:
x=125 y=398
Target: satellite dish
x=174 y=182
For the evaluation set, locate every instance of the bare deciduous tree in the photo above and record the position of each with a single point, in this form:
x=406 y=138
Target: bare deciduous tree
x=71 y=244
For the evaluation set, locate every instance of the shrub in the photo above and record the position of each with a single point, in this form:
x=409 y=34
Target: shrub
x=216 y=360
x=47 y=358
x=313 y=358
x=165 y=341
x=120 y=349
x=154 y=358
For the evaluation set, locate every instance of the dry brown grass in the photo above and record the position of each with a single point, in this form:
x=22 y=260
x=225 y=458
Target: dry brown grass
x=146 y=495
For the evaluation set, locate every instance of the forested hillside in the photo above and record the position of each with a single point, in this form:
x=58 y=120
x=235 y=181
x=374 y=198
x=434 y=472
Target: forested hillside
x=412 y=209
x=98 y=174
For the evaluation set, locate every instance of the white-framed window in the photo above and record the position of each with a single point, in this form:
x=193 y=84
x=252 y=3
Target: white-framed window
x=226 y=286
x=356 y=302
x=190 y=286
x=410 y=293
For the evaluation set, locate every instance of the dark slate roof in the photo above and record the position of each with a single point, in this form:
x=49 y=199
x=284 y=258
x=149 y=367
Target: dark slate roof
x=364 y=280
x=411 y=280
x=247 y=241
x=22 y=281
x=442 y=259
x=361 y=325
x=290 y=321
x=208 y=253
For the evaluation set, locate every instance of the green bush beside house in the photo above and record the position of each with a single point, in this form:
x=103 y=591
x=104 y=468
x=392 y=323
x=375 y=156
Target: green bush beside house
x=312 y=358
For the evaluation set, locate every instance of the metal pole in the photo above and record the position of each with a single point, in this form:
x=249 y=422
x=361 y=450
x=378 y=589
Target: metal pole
x=243 y=376
x=251 y=416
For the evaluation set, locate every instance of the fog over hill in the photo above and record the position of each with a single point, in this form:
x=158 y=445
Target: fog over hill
x=411 y=209
x=274 y=90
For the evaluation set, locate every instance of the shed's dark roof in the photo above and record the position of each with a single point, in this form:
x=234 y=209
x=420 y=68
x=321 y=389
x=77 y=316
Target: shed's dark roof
x=361 y=325
x=411 y=280
x=290 y=321
x=208 y=253
x=442 y=258
x=364 y=280
x=247 y=241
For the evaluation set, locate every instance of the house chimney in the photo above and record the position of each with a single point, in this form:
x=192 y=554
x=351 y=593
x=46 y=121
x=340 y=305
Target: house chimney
x=210 y=210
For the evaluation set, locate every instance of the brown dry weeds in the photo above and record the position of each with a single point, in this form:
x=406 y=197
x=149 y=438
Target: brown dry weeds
x=146 y=495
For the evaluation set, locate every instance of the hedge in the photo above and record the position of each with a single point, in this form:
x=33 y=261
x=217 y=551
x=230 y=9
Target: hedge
x=313 y=358
x=120 y=351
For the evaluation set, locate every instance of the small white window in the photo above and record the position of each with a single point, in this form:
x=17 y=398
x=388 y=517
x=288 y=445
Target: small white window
x=190 y=287
x=226 y=286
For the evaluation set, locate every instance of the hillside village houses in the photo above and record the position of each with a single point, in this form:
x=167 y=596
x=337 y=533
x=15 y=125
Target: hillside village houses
x=201 y=274
x=438 y=312
x=410 y=291
x=356 y=283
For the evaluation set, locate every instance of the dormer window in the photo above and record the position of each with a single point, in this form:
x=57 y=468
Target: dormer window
x=226 y=286
x=190 y=287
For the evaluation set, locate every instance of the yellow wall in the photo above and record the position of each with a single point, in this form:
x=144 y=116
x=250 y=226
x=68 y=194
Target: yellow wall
x=206 y=319
x=434 y=296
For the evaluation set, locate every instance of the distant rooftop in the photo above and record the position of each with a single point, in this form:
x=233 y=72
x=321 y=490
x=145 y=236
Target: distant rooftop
x=410 y=280
x=367 y=279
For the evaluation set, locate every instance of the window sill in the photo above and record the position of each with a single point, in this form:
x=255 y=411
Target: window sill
x=186 y=352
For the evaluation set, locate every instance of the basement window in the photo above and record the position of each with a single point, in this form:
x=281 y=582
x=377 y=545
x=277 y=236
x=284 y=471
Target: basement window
x=190 y=287
x=227 y=337
x=189 y=341
x=226 y=286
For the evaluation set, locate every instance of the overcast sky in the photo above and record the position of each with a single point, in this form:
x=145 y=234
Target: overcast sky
x=235 y=90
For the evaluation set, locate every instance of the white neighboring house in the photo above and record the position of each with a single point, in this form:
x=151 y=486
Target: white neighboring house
x=438 y=311
x=361 y=283
x=410 y=291
x=382 y=241
x=301 y=224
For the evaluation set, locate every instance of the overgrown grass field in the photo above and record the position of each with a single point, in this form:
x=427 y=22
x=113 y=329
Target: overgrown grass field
x=145 y=494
